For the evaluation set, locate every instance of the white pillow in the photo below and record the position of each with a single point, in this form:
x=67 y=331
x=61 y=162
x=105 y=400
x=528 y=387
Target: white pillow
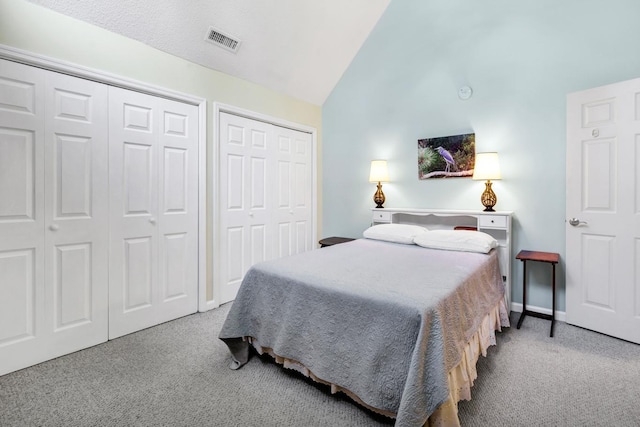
x=457 y=240
x=396 y=233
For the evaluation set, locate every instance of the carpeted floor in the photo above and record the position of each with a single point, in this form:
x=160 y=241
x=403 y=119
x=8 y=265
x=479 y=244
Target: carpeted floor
x=176 y=374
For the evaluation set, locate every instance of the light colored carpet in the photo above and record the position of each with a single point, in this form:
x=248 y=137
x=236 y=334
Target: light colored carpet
x=576 y=378
x=176 y=374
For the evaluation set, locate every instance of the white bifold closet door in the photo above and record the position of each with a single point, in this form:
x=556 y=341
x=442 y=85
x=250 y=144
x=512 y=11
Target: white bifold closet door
x=265 y=196
x=98 y=213
x=154 y=202
x=53 y=215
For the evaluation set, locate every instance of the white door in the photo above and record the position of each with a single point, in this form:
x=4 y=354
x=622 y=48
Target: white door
x=294 y=208
x=153 y=216
x=53 y=227
x=22 y=316
x=76 y=213
x=177 y=210
x=265 y=193
x=603 y=210
x=246 y=198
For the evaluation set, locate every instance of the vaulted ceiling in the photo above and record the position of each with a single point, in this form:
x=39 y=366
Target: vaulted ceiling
x=298 y=47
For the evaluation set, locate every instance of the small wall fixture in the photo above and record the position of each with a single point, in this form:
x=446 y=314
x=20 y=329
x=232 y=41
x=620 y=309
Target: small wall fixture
x=487 y=167
x=465 y=92
x=379 y=174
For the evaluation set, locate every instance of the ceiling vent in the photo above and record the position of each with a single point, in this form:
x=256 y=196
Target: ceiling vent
x=220 y=39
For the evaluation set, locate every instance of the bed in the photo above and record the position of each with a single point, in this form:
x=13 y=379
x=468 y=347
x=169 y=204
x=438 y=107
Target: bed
x=396 y=326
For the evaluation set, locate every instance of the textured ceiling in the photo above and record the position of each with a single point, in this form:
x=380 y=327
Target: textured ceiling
x=298 y=47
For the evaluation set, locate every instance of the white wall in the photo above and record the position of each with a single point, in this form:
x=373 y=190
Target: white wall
x=39 y=30
x=521 y=58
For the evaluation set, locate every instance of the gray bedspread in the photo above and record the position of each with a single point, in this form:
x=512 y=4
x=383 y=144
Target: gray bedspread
x=385 y=321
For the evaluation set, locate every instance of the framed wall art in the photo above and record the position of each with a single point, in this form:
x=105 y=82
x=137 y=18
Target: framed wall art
x=447 y=156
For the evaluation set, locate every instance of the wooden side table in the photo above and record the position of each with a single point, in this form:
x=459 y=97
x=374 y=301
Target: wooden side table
x=330 y=241
x=548 y=257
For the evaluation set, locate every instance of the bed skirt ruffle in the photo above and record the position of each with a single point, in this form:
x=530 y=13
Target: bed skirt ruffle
x=461 y=377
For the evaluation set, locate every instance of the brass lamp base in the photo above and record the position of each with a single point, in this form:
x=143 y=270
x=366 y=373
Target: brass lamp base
x=488 y=197
x=379 y=196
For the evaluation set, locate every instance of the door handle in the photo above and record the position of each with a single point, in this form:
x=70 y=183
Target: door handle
x=54 y=227
x=576 y=222
x=152 y=220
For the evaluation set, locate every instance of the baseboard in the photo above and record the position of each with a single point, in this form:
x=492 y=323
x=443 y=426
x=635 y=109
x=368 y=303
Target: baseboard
x=560 y=315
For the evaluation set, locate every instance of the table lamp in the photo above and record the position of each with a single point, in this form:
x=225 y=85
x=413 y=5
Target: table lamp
x=487 y=167
x=379 y=174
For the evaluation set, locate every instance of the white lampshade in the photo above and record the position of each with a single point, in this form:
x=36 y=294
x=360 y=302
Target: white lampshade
x=379 y=172
x=487 y=166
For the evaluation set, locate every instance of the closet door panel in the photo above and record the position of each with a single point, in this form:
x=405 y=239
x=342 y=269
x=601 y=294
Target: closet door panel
x=138 y=269
x=302 y=237
x=72 y=286
x=175 y=182
x=176 y=268
x=137 y=179
x=284 y=239
x=22 y=314
x=76 y=214
x=133 y=179
x=73 y=187
x=177 y=282
x=247 y=169
x=17 y=297
x=20 y=92
x=17 y=170
x=294 y=210
x=21 y=154
x=178 y=210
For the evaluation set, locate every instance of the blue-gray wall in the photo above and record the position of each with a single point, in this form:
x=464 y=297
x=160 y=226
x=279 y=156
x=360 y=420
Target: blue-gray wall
x=521 y=58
